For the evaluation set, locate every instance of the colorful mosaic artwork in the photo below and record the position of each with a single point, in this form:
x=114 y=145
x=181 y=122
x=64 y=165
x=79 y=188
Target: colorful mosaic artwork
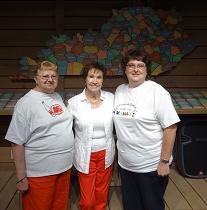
x=159 y=33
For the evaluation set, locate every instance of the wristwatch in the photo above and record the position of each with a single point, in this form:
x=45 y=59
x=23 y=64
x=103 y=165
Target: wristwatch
x=164 y=161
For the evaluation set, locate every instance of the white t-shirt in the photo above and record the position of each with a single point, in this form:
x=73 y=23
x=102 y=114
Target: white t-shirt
x=140 y=115
x=98 y=136
x=43 y=125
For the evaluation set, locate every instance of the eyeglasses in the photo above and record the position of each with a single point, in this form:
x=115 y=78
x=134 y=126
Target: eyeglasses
x=47 y=77
x=132 y=67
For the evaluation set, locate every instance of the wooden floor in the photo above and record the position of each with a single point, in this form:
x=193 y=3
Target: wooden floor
x=182 y=193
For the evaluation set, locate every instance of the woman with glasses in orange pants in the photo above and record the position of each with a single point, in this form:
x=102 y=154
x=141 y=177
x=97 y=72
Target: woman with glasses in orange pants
x=42 y=143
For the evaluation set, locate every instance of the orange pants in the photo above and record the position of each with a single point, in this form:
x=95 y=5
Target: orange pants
x=47 y=193
x=94 y=186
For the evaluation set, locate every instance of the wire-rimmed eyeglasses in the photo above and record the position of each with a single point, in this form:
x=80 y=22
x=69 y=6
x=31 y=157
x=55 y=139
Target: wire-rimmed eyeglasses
x=132 y=66
x=47 y=77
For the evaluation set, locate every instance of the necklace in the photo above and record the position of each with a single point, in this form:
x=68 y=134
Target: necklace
x=94 y=100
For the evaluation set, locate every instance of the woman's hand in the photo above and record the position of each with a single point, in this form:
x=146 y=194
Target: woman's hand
x=22 y=185
x=163 y=169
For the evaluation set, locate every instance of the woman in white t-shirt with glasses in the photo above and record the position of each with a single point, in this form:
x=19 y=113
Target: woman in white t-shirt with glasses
x=42 y=143
x=94 y=142
x=145 y=123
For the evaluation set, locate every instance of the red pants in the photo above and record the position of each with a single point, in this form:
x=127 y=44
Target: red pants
x=94 y=186
x=47 y=193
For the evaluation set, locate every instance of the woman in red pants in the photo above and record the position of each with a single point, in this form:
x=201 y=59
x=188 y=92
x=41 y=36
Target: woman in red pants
x=94 y=143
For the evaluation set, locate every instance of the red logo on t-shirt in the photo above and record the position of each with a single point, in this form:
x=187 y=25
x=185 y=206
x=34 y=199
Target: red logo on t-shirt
x=56 y=109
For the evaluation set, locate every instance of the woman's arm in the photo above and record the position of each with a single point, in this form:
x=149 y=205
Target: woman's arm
x=169 y=134
x=19 y=160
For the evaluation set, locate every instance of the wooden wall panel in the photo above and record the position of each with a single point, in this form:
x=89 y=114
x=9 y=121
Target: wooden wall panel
x=196 y=10
x=7 y=83
x=96 y=13
x=80 y=23
x=183 y=5
x=198 y=52
x=20 y=38
x=15 y=52
x=27 y=23
x=27 y=8
x=3 y=128
x=95 y=7
x=199 y=36
x=190 y=67
x=183 y=81
x=196 y=23
x=9 y=67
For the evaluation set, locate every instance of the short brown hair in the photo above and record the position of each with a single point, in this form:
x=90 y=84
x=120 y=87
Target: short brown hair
x=90 y=66
x=139 y=56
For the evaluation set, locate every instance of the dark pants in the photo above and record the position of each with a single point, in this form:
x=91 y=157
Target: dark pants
x=143 y=191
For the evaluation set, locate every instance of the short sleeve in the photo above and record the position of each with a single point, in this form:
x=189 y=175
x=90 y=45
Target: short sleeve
x=18 y=131
x=165 y=111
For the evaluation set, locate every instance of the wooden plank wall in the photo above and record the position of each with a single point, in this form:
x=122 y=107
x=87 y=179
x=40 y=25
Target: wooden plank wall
x=25 y=26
